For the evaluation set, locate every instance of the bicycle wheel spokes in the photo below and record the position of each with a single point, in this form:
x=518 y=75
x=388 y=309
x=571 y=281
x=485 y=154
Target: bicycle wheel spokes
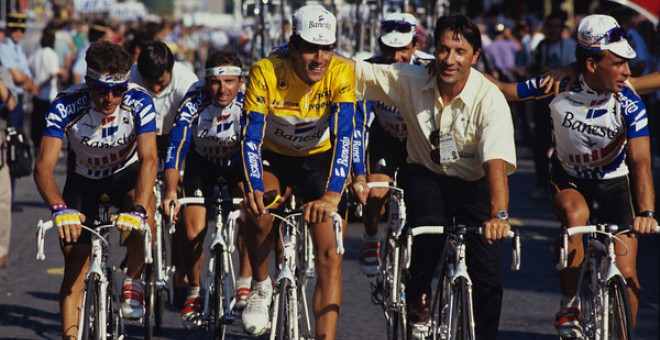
x=462 y=322
x=617 y=318
x=90 y=323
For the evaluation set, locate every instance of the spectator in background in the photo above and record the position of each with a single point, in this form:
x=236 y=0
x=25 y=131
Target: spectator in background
x=552 y=52
x=7 y=103
x=503 y=51
x=65 y=49
x=641 y=64
x=14 y=59
x=44 y=64
x=98 y=30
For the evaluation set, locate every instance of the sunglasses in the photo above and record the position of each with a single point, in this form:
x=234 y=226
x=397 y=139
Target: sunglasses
x=105 y=88
x=434 y=138
x=613 y=35
x=402 y=26
x=305 y=47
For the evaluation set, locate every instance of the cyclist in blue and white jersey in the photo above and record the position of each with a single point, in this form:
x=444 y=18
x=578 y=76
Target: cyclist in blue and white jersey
x=110 y=127
x=601 y=136
x=386 y=132
x=206 y=135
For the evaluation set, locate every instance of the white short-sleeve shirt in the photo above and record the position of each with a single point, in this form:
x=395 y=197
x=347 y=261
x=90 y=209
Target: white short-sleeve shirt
x=479 y=118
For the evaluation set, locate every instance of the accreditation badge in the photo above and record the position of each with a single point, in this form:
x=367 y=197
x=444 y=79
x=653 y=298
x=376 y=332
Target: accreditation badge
x=447 y=149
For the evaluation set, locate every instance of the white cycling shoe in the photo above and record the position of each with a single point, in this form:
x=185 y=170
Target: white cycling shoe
x=255 y=316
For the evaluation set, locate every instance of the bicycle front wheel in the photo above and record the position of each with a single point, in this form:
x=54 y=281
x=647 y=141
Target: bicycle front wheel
x=286 y=322
x=394 y=296
x=91 y=326
x=150 y=298
x=217 y=322
x=462 y=320
x=618 y=319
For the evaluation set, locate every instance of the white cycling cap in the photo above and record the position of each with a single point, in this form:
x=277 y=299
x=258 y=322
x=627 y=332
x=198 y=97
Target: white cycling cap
x=398 y=29
x=315 y=25
x=602 y=32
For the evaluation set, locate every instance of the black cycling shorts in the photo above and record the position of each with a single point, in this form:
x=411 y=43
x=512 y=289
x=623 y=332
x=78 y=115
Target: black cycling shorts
x=84 y=194
x=385 y=153
x=201 y=176
x=306 y=175
x=609 y=200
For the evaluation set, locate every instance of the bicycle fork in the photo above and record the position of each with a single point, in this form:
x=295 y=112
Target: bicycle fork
x=95 y=269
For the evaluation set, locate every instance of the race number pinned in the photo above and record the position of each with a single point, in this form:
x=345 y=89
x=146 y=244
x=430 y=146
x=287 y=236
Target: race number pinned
x=447 y=149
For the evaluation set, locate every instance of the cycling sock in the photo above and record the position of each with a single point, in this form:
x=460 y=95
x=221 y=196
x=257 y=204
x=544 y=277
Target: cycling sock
x=193 y=291
x=244 y=281
x=262 y=285
x=570 y=301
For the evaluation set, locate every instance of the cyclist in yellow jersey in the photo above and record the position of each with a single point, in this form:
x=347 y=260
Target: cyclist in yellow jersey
x=297 y=127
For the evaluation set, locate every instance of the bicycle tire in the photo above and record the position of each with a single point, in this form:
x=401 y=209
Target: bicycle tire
x=462 y=325
x=150 y=299
x=91 y=328
x=619 y=318
x=217 y=326
x=161 y=264
x=282 y=315
x=396 y=320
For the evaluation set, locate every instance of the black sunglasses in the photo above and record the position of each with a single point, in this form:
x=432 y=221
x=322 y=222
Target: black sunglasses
x=102 y=89
x=434 y=138
x=613 y=35
x=402 y=26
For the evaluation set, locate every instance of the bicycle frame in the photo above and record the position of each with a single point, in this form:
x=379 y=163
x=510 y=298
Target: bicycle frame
x=222 y=239
x=453 y=269
x=601 y=266
x=290 y=277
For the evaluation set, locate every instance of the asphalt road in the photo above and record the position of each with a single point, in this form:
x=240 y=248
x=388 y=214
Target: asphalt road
x=29 y=288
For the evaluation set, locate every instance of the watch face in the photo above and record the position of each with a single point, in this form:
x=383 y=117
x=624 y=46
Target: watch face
x=502 y=215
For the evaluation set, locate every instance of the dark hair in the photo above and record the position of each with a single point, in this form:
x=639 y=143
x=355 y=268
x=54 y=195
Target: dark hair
x=224 y=57
x=561 y=16
x=48 y=37
x=460 y=25
x=582 y=54
x=97 y=30
x=154 y=60
x=106 y=57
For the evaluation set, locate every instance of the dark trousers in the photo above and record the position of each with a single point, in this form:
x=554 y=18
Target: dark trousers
x=39 y=112
x=432 y=199
x=542 y=142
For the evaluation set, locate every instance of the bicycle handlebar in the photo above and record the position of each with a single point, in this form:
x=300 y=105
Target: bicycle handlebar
x=383 y=185
x=202 y=200
x=337 y=225
x=460 y=229
x=42 y=227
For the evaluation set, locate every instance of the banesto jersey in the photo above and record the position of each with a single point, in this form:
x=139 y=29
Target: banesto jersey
x=591 y=130
x=103 y=144
x=214 y=132
x=293 y=118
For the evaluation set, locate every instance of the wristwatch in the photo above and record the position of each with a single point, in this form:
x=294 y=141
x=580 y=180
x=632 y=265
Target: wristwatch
x=502 y=215
x=647 y=213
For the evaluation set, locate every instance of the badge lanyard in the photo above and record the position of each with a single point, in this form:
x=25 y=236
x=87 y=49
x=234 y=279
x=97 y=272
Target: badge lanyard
x=447 y=147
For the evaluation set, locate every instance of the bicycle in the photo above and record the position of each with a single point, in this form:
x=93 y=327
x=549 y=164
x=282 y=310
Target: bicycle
x=158 y=273
x=388 y=290
x=452 y=304
x=220 y=278
x=602 y=288
x=291 y=282
x=100 y=315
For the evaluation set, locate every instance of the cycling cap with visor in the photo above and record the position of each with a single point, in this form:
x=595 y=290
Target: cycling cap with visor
x=602 y=32
x=315 y=25
x=398 y=29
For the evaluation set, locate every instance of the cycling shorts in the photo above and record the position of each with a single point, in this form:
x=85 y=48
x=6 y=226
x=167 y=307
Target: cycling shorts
x=83 y=194
x=609 y=200
x=201 y=176
x=306 y=175
x=385 y=153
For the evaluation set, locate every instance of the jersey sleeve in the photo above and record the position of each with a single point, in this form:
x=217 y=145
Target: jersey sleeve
x=634 y=113
x=143 y=109
x=531 y=90
x=253 y=125
x=342 y=112
x=181 y=133
x=362 y=118
x=64 y=110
